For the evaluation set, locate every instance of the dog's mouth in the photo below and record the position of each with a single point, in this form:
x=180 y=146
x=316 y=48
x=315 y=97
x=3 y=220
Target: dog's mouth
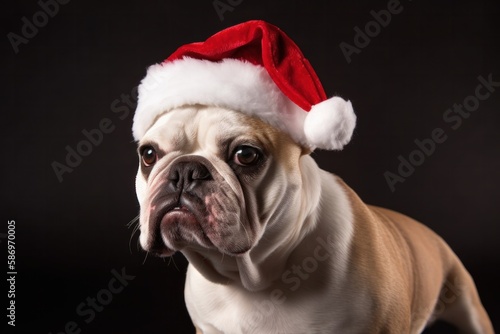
x=177 y=214
x=175 y=224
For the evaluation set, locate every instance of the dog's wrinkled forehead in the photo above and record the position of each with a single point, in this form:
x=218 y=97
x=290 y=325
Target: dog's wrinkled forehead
x=209 y=128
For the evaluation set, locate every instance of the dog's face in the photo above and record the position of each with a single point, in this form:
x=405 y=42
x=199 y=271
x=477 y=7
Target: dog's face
x=214 y=179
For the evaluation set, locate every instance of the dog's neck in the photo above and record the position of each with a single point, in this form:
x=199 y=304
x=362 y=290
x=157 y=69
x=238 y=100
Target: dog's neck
x=265 y=263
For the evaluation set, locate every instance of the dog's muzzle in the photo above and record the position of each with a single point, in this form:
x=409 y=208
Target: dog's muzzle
x=193 y=205
x=178 y=209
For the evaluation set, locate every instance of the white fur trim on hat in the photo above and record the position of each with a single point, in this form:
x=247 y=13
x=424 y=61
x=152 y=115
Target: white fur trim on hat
x=244 y=87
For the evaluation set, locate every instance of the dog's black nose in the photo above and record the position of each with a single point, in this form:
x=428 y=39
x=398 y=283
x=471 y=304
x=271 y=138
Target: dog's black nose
x=186 y=175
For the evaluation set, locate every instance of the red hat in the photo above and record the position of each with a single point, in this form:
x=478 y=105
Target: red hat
x=254 y=68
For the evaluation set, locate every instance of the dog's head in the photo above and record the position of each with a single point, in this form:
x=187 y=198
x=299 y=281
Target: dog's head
x=214 y=179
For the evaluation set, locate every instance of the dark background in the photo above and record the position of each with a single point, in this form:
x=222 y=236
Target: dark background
x=70 y=235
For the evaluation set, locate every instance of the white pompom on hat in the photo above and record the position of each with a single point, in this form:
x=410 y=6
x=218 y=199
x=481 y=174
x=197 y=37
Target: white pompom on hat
x=256 y=69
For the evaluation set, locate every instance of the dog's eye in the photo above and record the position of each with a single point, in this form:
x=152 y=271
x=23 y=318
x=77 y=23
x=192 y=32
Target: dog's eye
x=149 y=156
x=246 y=155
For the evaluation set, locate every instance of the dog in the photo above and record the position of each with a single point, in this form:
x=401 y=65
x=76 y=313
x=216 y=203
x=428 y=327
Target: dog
x=277 y=245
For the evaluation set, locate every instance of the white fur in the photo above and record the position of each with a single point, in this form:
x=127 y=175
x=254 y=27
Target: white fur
x=216 y=308
x=241 y=86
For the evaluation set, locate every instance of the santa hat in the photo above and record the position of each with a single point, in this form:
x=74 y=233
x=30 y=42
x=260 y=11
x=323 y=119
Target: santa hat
x=253 y=68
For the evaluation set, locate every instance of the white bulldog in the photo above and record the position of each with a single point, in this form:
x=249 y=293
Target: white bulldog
x=277 y=245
